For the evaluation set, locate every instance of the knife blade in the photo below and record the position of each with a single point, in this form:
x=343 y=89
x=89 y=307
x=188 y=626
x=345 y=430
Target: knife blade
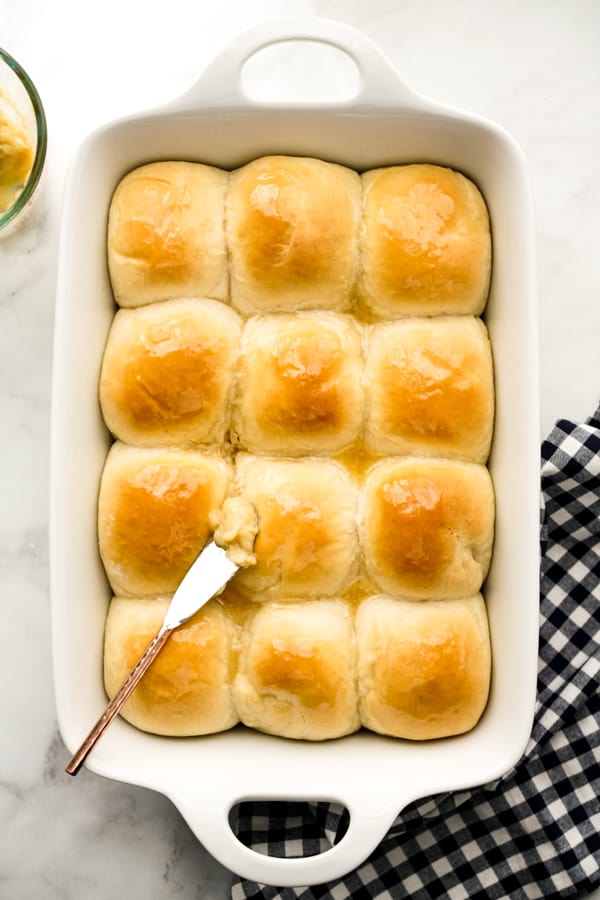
x=206 y=578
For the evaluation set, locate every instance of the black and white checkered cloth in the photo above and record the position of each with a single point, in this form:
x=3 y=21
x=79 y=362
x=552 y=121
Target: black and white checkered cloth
x=536 y=831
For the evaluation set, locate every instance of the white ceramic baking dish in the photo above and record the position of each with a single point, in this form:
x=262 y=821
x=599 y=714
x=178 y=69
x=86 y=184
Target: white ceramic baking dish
x=374 y=777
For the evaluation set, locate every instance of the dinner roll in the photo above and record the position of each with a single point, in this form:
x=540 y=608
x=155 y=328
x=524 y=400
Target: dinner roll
x=187 y=689
x=426 y=245
x=292 y=230
x=297 y=671
x=166 y=235
x=307 y=544
x=423 y=668
x=153 y=512
x=430 y=388
x=428 y=527
x=167 y=372
x=300 y=384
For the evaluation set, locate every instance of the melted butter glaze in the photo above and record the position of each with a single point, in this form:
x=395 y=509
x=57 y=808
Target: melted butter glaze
x=411 y=529
x=294 y=233
x=415 y=223
x=307 y=542
x=431 y=393
x=419 y=219
x=297 y=665
x=167 y=372
x=428 y=236
x=161 y=521
x=302 y=389
x=357 y=460
x=153 y=228
x=188 y=664
x=428 y=529
x=293 y=533
x=427 y=675
x=430 y=388
x=180 y=384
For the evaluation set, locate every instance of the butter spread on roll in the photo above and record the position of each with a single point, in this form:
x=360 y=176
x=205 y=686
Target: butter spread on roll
x=299 y=389
x=167 y=372
x=153 y=515
x=428 y=527
x=292 y=229
x=166 y=236
x=297 y=671
x=424 y=668
x=430 y=388
x=235 y=527
x=425 y=243
x=187 y=689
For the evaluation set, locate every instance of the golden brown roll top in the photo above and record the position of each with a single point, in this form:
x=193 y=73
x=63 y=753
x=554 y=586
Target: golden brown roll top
x=167 y=372
x=153 y=515
x=430 y=388
x=166 y=236
x=292 y=230
x=426 y=245
x=428 y=527
x=424 y=668
x=307 y=544
x=300 y=384
x=297 y=671
x=187 y=689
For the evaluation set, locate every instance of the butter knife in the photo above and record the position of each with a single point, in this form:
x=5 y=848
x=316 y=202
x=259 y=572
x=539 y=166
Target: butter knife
x=206 y=578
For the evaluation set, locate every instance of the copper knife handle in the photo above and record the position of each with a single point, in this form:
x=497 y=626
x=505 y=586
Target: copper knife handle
x=136 y=674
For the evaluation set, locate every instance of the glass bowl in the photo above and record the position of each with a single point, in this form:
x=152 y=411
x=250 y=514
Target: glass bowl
x=21 y=99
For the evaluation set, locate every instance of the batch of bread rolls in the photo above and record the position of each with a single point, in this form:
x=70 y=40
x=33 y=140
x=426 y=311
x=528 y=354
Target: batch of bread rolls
x=310 y=339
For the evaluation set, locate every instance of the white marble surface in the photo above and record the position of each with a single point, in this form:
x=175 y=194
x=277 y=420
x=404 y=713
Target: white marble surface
x=532 y=66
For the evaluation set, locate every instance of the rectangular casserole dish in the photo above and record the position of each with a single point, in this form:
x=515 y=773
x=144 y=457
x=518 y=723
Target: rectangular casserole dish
x=374 y=777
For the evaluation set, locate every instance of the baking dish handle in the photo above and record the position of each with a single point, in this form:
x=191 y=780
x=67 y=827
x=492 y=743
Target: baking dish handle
x=208 y=817
x=220 y=84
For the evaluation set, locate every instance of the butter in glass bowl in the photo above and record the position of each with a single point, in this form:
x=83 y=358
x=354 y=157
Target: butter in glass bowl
x=23 y=140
